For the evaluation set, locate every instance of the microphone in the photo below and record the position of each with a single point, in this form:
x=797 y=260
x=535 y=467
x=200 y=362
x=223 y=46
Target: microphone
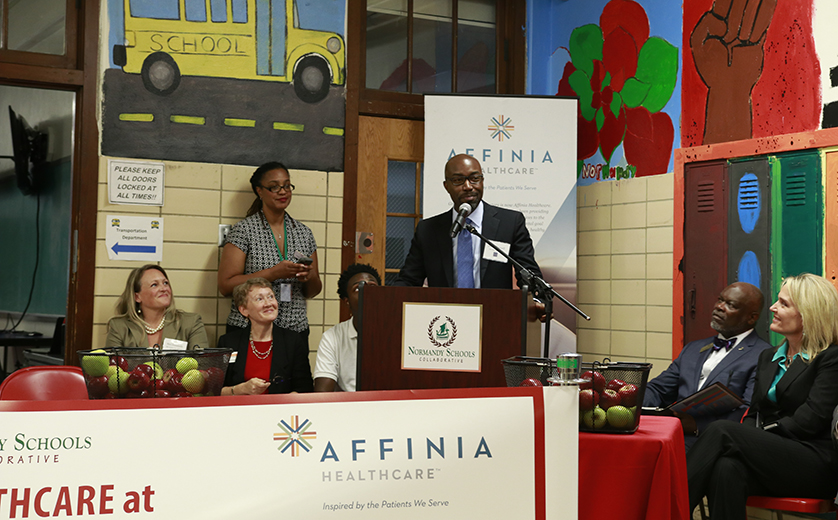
x=460 y=221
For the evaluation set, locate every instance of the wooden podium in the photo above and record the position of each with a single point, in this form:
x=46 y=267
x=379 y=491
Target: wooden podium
x=510 y=328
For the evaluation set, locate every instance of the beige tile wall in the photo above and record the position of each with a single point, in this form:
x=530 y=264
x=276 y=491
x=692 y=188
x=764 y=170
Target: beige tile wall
x=625 y=270
x=198 y=198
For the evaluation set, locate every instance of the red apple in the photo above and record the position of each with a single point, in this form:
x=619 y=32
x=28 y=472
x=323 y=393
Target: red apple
x=147 y=369
x=183 y=394
x=120 y=361
x=585 y=384
x=215 y=378
x=615 y=384
x=628 y=395
x=175 y=385
x=588 y=399
x=138 y=380
x=597 y=379
x=168 y=374
x=159 y=384
x=530 y=382
x=97 y=387
x=609 y=398
x=162 y=393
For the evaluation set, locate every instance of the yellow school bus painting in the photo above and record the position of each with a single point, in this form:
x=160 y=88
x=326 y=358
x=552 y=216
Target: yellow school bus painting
x=240 y=39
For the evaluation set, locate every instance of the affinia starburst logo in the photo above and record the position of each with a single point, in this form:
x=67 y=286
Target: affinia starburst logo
x=295 y=437
x=501 y=127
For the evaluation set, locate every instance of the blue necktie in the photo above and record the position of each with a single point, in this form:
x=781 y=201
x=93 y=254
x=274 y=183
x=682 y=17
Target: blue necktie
x=465 y=259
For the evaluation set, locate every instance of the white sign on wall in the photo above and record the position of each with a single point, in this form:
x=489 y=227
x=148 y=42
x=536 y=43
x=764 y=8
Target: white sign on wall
x=442 y=337
x=131 y=182
x=134 y=238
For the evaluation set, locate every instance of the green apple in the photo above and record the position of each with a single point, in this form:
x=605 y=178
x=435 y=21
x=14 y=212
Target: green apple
x=620 y=417
x=594 y=418
x=111 y=370
x=186 y=364
x=158 y=370
x=118 y=382
x=95 y=366
x=193 y=381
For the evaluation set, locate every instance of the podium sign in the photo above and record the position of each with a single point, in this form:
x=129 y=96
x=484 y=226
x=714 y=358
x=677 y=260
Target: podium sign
x=442 y=337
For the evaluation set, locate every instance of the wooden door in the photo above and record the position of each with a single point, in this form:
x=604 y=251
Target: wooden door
x=388 y=149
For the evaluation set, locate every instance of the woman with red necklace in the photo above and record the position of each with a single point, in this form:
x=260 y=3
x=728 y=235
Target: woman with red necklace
x=266 y=358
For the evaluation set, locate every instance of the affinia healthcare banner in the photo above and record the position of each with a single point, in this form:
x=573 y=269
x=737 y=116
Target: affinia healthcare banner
x=443 y=454
x=527 y=148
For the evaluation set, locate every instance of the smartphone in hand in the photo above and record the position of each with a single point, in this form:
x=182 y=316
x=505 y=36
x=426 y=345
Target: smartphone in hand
x=300 y=258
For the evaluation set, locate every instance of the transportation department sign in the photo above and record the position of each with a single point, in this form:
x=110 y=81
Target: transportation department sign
x=442 y=337
x=131 y=182
x=134 y=238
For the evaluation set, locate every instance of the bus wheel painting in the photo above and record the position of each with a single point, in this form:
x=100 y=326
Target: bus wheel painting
x=160 y=74
x=311 y=79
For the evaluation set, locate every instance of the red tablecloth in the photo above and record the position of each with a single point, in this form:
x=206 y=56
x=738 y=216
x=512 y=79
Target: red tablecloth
x=633 y=477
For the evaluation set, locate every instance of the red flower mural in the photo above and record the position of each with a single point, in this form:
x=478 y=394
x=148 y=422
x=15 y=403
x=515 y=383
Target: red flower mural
x=623 y=79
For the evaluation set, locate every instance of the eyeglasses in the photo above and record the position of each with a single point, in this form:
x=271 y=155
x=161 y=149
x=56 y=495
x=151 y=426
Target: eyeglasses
x=475 y=178
x=276 y=188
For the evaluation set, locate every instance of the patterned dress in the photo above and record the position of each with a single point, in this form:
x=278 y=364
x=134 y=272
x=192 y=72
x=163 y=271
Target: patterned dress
x=254 y=237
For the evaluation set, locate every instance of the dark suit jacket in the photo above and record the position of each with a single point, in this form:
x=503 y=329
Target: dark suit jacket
x=289 y=360
x=806 y=396
x=736 y=371
x=431 y=252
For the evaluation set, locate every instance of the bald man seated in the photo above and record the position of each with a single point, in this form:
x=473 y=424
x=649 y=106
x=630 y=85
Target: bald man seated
x=730 y=358
x=464 y=260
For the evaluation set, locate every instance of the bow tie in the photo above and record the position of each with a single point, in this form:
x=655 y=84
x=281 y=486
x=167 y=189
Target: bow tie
x=719 y=343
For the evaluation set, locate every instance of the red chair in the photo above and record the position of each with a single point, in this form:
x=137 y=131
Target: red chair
x=817 y=506
x=44 y=383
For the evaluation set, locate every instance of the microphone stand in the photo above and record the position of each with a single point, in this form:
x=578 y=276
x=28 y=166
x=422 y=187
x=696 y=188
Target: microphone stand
x=540 y=288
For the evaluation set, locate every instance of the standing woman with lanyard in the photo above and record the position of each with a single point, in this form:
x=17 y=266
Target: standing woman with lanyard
x=270 y=244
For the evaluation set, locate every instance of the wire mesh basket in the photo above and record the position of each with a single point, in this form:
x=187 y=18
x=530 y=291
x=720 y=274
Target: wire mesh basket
x=138 y=372
x=611 y=396
x=528 y=371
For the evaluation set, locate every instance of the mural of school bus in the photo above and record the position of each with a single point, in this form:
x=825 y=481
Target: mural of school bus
x=241 y=39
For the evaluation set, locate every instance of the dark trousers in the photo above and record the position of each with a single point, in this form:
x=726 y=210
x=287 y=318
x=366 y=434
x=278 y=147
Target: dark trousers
x=731 y=461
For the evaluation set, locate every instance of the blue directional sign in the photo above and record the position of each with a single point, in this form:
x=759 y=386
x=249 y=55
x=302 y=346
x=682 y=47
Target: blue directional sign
x=117 y=248
x=134 y=238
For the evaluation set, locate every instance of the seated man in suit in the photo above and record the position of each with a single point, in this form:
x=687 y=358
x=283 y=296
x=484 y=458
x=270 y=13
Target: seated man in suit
x=730 y=358
x=464 y=261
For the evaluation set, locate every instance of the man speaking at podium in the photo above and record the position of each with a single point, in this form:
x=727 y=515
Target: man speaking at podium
x=447 y=255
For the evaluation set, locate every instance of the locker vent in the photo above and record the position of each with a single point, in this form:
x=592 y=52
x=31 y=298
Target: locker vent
x=706 y=197
x=748 y=194
x=795 y=188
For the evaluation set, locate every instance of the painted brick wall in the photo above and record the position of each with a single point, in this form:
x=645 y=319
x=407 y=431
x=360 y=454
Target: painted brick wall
x=198 y=198
x=625 y=270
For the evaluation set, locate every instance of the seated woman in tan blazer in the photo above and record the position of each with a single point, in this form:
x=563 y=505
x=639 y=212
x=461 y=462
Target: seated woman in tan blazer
x=147 y=314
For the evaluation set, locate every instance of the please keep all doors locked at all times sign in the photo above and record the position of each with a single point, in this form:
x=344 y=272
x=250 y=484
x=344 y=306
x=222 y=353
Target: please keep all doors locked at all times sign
x=131 y=182
x=135 y=238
